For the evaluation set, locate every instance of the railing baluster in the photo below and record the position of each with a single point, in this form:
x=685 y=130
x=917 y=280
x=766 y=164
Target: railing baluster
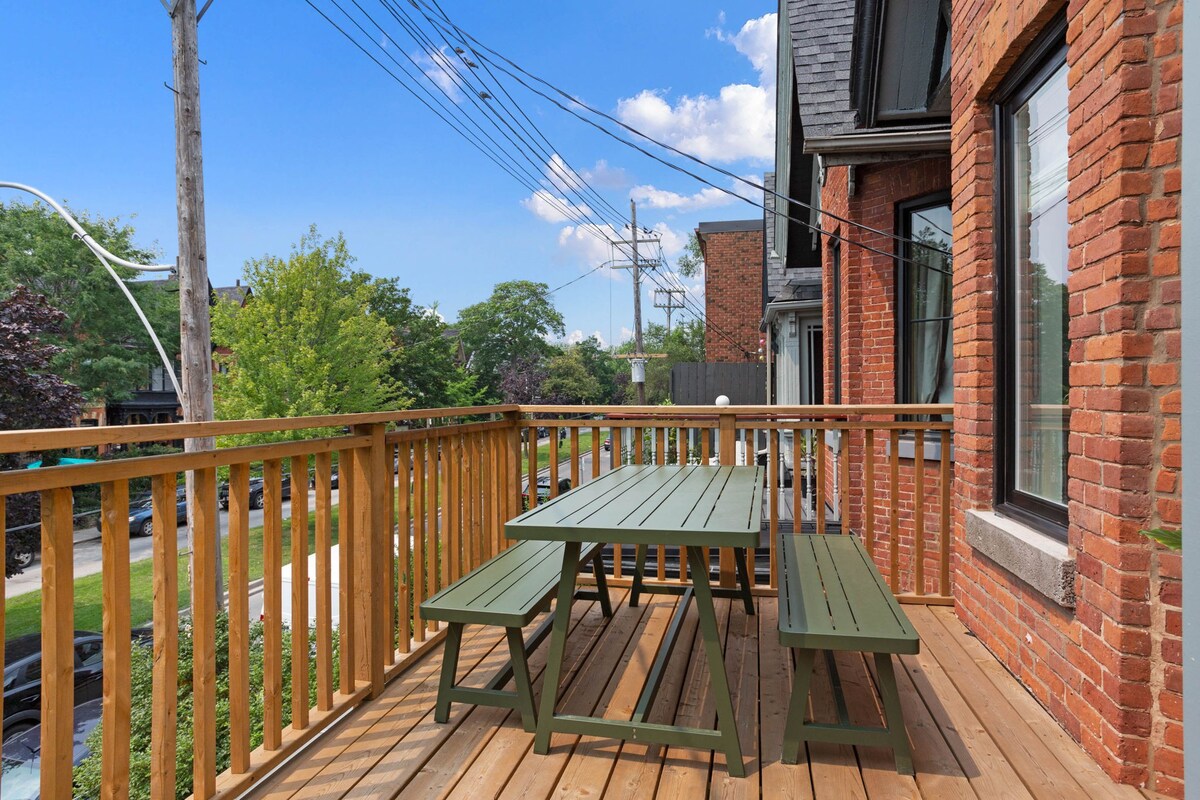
x=773 y=483
x=300 y=704
x=945 y=513
x=844 y=481
x=894 y=517
x=639 y=446
x=869 y=495
x=433 y=474
x=452 y=513
x=574 y=437
x=239 y=618
x=58 y=649
x=469 y=500
x=919 y=511
x=660 y=446
x=347 y=503
x=322 y=477
x=114 y=555
x=166 y=638
x=273 y=603
x=531 y=483
x=204 y=633
x=418 y=538
x=819 y=449
x=553 y=462
x=3 y=560
x=404 y=534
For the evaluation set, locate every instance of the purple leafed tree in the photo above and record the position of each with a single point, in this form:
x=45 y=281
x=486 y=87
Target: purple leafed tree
x=521 y=379
x=30 y=396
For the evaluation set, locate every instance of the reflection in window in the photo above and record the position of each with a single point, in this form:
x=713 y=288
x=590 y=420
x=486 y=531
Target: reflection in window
x=927 y=360
x=1039 y=367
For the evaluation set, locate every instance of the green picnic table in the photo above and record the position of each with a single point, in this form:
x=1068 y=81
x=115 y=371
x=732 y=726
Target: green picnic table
x=691 y=507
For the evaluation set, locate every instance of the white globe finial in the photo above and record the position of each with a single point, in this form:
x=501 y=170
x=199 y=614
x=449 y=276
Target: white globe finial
x=722 y=400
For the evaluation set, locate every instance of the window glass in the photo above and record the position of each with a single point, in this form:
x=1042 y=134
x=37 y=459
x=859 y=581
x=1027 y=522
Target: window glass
x=1039 y=367
x=90 y=653
x=927 y=359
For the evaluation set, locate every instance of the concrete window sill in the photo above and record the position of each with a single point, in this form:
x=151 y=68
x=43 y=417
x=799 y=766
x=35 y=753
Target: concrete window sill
x=1040 y=561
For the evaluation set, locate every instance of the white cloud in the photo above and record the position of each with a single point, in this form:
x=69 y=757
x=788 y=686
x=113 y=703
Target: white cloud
x=625 y=336
x=575 y=337
x=653 y=197
x=739 y=123
x=439 y=69
x=603 y=176
x=553 y=208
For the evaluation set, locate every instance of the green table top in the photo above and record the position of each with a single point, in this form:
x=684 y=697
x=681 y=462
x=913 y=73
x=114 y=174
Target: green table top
x=701 y=506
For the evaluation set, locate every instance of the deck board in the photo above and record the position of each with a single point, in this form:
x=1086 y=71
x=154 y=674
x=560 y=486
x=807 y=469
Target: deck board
x=975 y=732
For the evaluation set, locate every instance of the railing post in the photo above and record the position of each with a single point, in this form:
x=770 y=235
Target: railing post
x=727 y=453
x=372 y=473
x=513 y=468
x=58 y=650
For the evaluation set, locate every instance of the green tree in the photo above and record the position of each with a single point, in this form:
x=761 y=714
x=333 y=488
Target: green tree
x=691 y=262
x=307 y=342
x=105 y=351
x=685 y=343
x=424 y=366
x=568 y=380
x=599 y=362
x=511 y=326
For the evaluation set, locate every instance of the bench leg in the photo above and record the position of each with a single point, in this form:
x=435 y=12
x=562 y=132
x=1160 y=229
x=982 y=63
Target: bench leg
x=893 y=716
x=441 y=712
x=739 y=560
x=520 y=670
x=601 y=582
x=794 y=728
x=638 y=569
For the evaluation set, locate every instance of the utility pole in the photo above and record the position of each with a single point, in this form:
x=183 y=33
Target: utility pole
x=195 y=329
x=670 y=304
x=639 y=366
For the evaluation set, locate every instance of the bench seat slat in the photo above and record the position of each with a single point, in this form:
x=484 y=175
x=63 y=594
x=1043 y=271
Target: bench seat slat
x=509 y=590
x=835 y=599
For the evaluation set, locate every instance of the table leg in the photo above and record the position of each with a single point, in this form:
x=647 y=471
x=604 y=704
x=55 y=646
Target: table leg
x=726 y=723
x=558 y=642
x=638 y=570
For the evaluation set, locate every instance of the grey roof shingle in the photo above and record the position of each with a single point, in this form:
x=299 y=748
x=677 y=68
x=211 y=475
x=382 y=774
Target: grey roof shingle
x=822 y=36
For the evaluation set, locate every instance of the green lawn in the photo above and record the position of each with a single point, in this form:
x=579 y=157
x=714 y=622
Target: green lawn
x=564 y=449
x=24 y=612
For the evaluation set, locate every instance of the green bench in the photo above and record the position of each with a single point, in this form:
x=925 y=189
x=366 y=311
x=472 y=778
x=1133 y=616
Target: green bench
x=831 y=597
x=508 y=591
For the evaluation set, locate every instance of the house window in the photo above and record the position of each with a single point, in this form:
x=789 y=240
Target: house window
x=1032 y=341
x=924 y=332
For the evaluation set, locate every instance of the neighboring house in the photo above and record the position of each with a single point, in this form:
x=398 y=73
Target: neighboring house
x=733 y=255
x=1054 y=329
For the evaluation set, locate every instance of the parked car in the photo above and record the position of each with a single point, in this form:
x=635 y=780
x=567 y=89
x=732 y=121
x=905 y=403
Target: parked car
x=20 y=769
x=23 y=679
x=543 y=490
x=141 y=513
x=256 y=491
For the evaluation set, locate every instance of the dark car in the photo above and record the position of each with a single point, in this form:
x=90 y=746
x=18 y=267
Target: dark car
x=543 y=490
x=21 y=766
x=23 y=678
x=141 y=513
x=256 y=492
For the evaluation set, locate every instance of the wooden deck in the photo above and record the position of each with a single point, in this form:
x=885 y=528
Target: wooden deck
x=976 y=733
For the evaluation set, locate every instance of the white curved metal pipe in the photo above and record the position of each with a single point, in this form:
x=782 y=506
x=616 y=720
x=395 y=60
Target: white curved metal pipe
x=105 y=256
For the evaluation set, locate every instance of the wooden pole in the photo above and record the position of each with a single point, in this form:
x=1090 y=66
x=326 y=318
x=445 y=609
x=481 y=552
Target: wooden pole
x=195 y=332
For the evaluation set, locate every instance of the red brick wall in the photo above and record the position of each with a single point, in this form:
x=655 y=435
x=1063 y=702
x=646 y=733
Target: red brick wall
x=1109 y=670
x=868 y=295
x=733 y=262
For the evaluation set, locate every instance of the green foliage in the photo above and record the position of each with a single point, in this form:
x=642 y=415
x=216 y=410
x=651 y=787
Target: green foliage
x=685 y=343
x=569 y=381
x=425 y=365
x=105 y=350
x=511 y=326
x=1166 y=537
x=691 y=262
x=307 y=343
x=87 y=774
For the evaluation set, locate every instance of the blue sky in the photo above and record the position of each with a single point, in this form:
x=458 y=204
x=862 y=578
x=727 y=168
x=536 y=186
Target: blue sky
x=300 y=128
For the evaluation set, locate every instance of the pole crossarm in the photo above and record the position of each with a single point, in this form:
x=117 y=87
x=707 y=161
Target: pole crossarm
x=105 y=257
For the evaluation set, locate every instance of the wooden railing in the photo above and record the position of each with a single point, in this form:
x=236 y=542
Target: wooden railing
x=421 y=498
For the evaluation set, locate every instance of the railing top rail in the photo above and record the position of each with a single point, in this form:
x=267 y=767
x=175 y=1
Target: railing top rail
x=766 y=412
x=71 y=438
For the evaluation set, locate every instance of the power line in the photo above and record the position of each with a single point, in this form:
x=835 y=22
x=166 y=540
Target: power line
x=647 y=137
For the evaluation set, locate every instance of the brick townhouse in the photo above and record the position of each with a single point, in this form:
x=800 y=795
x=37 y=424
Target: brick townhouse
x=1040 y=145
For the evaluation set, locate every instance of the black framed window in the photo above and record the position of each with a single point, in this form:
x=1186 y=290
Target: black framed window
x=1033 y=411
x=924 y=331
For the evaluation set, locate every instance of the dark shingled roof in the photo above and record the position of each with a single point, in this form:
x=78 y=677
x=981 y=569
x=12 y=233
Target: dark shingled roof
x=822 y=38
